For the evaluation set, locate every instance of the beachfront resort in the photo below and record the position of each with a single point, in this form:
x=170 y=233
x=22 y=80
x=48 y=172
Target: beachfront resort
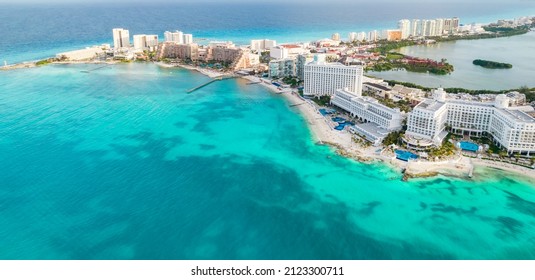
x=415 y=128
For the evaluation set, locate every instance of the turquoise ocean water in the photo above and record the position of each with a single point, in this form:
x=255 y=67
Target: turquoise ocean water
x=121 y=163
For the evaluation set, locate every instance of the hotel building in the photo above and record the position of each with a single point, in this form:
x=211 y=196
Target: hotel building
x=512 y=129
x=285 y=51
x=302 y=60
x=373 y=36
x=176 y=37
x=264 y=44
x=121 y=38
x=282 y=68
x=145 y=42
x=405 y=26
x=377 y=120
x=322 y=78
x=439 y=26
x=188 y=39
x=361 y=36
x=224 y=54
x=391 y=35
x=335 y=37
x=181 y=51
x=416 y=28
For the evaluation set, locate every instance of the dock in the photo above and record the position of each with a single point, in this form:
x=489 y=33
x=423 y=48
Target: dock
x=253 y=83
x=294 y=105
x=91 y=70
x=209 y=82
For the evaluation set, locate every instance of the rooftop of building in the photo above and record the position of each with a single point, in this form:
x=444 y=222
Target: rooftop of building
x=518 y=115
x=290 y=46
x=430 y=105
x=471 y=102
x=283 y=59
x=370 y=100
x=332 y=64
x=372 y=129
x=381 y=87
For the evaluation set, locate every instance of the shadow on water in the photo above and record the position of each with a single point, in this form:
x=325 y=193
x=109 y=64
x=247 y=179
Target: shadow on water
x=137 y=207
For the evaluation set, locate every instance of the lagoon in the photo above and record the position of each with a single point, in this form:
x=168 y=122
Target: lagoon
x=517 y=50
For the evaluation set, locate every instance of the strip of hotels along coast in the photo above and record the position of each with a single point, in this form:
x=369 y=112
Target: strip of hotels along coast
x=359 y=115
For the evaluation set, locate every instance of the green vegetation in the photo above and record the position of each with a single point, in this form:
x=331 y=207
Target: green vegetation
x=493 y=149
x=361 y=140
x=433 y=69
x=394 y=56
x=292 y=81
x=403 y=105
x=384 y=46
x=507 y=31
x=264 y=57
x=420 y=68
x=492 y=64
x=396 y=60
x=447 y=149
x=392 y=138
x=529 y=92
x=497 y=32
x=43 y=62
x=407 y=84
x=323 y=100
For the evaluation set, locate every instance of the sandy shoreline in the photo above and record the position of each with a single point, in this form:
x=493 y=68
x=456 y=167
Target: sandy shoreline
x=208 y=72
x=524 y=171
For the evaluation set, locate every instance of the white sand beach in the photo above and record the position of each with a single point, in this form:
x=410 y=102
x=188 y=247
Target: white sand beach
x=524 y=171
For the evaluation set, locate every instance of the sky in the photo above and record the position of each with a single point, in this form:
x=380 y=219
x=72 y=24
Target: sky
x=250 y=1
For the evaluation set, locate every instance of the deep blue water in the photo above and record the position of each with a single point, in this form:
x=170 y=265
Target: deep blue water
x=31 y=32
x=121 y=163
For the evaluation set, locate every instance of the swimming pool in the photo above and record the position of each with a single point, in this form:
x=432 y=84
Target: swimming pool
x=468 y=146
x=338 y=119
x=405 y=155
x=327 y=111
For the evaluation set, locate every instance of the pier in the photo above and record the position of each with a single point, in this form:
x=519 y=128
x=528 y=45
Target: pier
x=209 y=82
x=91 y=70
x=299 y=104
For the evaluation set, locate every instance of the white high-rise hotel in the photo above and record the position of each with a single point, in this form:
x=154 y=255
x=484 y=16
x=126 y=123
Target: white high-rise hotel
x=512 y=129
x=405 y=26
x=368 y=109
x=322 y=78
x=264 y=44
x=425 y=27
x=144 y=42
x=344 y=85
x=176 y=36
x=121 y=38
x=377 y=120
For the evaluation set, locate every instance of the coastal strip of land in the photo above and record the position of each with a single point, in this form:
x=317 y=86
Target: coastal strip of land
x=324 y=133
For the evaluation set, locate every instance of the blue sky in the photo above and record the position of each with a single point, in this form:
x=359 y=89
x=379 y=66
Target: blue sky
x=249 y=1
